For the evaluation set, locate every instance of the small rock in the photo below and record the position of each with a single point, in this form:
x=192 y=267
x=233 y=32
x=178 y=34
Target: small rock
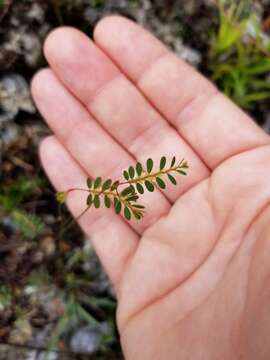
x=4 y=350
x=36 y=12
x=7 y=225
x=29 y=290
x=45 y=355
x=50 y=300
x=91 y=15
x=47 y=245
x=42 y=337
x=37 y=257
x=22 y=332
x=32 y=355
x=32 y=48
x=188 y=54
x=87 y=340
x=9 y=134
x=15 y=96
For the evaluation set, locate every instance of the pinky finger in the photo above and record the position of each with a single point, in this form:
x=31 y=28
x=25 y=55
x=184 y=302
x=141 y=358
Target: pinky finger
x=113 y=239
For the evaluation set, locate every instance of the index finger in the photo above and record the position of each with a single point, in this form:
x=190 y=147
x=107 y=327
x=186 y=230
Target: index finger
x=206 y=119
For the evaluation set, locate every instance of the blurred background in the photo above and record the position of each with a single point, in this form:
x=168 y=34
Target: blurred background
x=55 y=301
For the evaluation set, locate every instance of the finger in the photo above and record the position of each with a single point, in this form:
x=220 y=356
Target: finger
x=94 y=149
x=117 y=104
x=207 y=120
x=114 y=241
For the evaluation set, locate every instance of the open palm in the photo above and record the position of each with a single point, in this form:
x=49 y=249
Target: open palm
x=192 y=277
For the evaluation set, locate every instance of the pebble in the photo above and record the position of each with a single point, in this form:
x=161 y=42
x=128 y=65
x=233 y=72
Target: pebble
x=47 y=245
x=189 y=54
x=52 y=355
x=7 y=225
x=87 y=340
x=22 y=332
x=15 y=96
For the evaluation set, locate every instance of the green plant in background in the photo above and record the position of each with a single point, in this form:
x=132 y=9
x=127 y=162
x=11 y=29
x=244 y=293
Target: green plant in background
x=11 y=203
x=136 y=181
x=30 y=225
x=239 y=62
x=5 y=297
x=79 y=302
x=96 y=3
x=39 y=278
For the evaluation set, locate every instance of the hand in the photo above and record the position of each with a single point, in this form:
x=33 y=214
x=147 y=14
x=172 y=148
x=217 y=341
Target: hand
x=192 y=278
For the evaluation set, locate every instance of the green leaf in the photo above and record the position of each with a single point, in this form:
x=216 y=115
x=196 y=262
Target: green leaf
x=89 y=200
x=133 y=198
x=106 y=185
x=173 y=161
x=149 y=165
x=96 y=201
x=131 y=172
x=115 y=185
x=139 y=168
x=140 y=188
x=181 y=172
x=162 y=163
x=161 y=183
x=117 y=205
x=127 y=191
x=126 y=176
x=97 y=182
x=107 y=201
x=89 y=183
x=150 y=187
x=127 y=213
x=172 y=179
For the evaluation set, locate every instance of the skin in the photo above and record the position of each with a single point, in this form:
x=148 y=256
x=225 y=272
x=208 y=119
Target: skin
x=192 y=278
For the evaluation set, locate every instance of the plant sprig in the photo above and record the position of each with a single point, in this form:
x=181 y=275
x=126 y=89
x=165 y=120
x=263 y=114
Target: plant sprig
x=123 y=194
